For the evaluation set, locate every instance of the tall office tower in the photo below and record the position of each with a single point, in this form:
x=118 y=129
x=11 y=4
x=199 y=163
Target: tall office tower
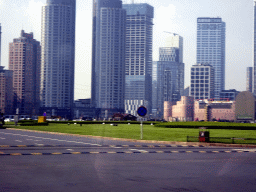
x=170 y=75
x=108 y=56
x=6 y=91
x=249 y=75
x=202 y=81
x=211 y=35
x=138 y=58
x=154 y=88
x=24 y=61
x=58 y=57
x=254 y=52
x=0 y=42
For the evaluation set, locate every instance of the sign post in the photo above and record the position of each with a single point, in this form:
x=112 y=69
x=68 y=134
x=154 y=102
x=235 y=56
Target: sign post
x=142 y=111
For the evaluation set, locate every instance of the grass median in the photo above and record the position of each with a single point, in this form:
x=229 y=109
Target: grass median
x=133 y=131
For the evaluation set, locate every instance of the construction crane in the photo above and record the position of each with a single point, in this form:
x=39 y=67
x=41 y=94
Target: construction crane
x=171 y=33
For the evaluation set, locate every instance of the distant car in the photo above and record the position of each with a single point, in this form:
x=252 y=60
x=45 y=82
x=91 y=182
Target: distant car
x=7 y=120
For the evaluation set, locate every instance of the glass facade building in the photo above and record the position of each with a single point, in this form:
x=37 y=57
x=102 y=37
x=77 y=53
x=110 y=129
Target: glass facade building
x=154 y=88
x=249 y=77
x=0 y=41
x=58 y=56
x=108 y=56
x=202 y=81
x=254 y=52
x=170 y=76
x=138 y=59
x=211 y=35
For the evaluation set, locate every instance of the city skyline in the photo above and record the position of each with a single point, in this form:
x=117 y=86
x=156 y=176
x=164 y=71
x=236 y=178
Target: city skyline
x=180 y=15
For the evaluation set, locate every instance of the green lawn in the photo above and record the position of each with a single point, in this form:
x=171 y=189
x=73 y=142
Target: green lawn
x=133 y=131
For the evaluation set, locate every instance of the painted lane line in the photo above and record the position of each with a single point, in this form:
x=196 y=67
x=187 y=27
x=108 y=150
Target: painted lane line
x=36 y=154
x=19 y=141
x=2 y=138
x=16 y=154
x=96 y=144
x=29 y=139
x=104 y=152
x=76 y=153
x=56 y=153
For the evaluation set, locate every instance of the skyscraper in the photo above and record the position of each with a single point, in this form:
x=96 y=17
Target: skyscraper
x=0 y=41
x=138 y=58
x=170 y=72
x=58 y=55
x=6 y=91
x=108 y=56
x=211 y=35
x=25 y=61
x=249 y=75
x=154 y=88
x=254 y=55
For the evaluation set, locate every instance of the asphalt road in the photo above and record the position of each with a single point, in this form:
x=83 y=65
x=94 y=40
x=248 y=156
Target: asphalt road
x=49 y=162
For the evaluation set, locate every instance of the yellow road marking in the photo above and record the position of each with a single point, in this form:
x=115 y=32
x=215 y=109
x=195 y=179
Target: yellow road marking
x=56 y=153
x=112 y=145
x=3 y=146
x=138 y=146
x=175 y=151
x=36 y=154
x=159 y=151
x=228 y=151
x=125 y=145
x=76 y=153
x=15 y=154
x=22 y=145
x=189 y=151
x=202 y=151
x=162 y=145
x=184 y=145
x=128 y=152
x=215 y=151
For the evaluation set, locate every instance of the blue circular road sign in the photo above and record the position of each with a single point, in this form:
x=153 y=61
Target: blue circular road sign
x=142 y=111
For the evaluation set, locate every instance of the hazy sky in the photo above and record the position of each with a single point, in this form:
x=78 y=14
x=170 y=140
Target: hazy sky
x=178 y=16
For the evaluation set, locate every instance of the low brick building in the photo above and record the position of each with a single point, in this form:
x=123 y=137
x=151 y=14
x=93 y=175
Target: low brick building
x=183 y=110
x=206 y=110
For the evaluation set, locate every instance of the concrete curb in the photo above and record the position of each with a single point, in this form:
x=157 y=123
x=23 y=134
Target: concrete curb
x=145 y=141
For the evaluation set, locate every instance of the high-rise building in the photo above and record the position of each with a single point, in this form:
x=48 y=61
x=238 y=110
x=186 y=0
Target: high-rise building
x=254 y=52
x=58 y=56
x=138 y=58
x=170 y=73
x=0 y=42
x=6 y=91
x=211 y=35
x=202 y=81
x=108 y=56
x=249 y=78
x=24 y=61
x=154 y=88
